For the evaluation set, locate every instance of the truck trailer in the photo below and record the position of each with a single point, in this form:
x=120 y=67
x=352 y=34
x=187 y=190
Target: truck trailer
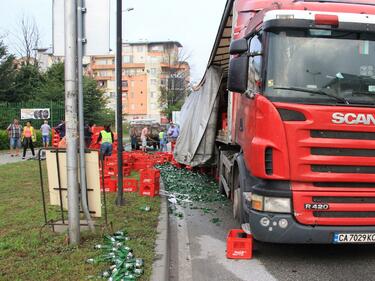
x=286 y=113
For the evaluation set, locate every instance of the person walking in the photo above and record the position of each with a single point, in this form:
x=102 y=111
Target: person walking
x=14 y=132
x=60 y=129
x=163 y=141
x=46 y=130
x=173 y=133
x=144 y=135
x=28 y=138
x=133 y=138
x=107 y=139
x=88 y=135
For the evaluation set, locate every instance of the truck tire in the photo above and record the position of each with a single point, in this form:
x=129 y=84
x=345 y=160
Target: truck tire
x=238 y=210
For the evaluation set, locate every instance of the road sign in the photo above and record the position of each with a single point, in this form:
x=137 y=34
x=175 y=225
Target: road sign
x=96 y=27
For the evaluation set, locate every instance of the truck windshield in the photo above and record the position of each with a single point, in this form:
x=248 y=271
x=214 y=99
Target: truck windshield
x=321 y=67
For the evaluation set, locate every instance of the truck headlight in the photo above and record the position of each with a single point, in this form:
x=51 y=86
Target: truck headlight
x=257 y=202
x=277 y=205
x=270 y=204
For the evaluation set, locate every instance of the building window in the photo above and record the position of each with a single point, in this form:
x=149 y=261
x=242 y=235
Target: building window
x=152 y=95
x=127 y=59
x=153 y=71
x=162 y=82
x=153 y=106
x=133 y=106
x=140 y=49
x=101 y=62
x=155 y=59
x=125 y=84
x=132 y=84
x=157 y=48
x=127 y=49
x=153 y=82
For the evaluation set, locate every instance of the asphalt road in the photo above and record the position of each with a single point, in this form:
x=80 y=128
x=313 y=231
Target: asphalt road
x=197 y=248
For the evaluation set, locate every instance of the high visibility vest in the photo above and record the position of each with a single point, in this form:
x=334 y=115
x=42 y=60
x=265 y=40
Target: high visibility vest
x=161 y=135
x=106 y=136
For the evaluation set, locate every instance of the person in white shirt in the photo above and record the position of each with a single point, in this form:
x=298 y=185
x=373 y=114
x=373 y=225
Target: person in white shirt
x=46 y=130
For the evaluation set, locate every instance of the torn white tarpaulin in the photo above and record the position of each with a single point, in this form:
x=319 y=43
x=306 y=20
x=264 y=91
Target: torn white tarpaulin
x=195 y=144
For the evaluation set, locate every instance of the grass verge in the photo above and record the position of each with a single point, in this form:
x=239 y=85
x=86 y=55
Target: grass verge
x=29 y=253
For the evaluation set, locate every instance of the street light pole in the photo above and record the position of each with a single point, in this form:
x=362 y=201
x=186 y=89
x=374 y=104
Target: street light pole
x=70 y=22
x=120 y=197
x=82 y=158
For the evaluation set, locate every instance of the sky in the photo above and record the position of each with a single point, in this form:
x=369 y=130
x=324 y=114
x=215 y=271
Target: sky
x=194 y=23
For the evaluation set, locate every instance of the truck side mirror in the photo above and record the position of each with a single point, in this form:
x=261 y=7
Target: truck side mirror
x=238 y=46
x=238 y=72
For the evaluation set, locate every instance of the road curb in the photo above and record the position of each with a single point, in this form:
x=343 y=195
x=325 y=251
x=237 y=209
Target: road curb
x=160 y=267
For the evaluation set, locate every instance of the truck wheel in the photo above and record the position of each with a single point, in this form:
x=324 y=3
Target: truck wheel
x=238 y=210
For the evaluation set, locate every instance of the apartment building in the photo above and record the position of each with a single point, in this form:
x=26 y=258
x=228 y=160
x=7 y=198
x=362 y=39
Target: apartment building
x=147 y=66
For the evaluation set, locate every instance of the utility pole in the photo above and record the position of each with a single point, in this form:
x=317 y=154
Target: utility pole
x=120 y=197
x=70 y=22
x=82 y=161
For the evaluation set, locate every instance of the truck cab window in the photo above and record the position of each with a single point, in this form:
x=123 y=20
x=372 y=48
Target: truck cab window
x=255 y=64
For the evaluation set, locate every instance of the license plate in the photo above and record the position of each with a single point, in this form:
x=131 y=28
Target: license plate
x=354 y=238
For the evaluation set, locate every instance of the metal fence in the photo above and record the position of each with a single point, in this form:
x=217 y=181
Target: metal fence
x=9 y=111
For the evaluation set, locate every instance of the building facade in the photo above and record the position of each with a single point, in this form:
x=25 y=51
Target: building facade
x=147 y=68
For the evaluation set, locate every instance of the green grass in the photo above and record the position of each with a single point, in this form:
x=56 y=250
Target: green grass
x=28 y=252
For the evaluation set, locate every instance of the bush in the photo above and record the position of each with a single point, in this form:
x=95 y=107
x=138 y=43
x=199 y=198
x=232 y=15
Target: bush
x=4 y=140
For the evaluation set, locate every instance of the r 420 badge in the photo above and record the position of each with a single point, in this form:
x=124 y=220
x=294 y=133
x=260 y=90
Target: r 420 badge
x=316 y=206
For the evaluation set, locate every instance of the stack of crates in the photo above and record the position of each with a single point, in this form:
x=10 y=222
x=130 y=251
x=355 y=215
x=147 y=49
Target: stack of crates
x=130 y=185
x=55 y=138
x=149 y=182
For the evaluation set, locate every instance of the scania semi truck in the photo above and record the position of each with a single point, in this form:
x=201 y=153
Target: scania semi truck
x=294 y=118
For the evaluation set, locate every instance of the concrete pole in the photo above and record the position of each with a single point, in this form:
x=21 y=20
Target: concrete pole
x=71 y=119
x=82 y=159
x=120 y=197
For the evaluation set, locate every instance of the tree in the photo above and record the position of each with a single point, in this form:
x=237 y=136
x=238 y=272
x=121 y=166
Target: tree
x=7 y=74
x=52 y=89
x=28 y=80
x=28 y=39
x=176 y=85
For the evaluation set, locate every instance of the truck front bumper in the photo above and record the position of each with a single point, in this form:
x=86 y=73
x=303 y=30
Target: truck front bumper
x=295 y=233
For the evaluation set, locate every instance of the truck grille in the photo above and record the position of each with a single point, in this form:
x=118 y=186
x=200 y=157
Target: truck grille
x=343 y=152
x=343 y=169
x=344 y=214
x=342 y=135
x=352 y=207
x=332 y=199
x=345 y=184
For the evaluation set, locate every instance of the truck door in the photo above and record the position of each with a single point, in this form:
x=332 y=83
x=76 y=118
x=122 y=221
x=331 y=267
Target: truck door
x=246 y=103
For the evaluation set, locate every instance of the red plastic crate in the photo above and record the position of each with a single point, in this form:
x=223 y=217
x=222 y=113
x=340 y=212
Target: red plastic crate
x=238 y=247
x=151 y=174
x=110 y=185
x=130 y=185
x=176 y=164
x=149 y=189
x=110 y=171
x=126 y=171
x=141 y=165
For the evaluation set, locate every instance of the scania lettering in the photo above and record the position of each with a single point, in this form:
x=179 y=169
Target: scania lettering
x=352 y=118
x=289 y=93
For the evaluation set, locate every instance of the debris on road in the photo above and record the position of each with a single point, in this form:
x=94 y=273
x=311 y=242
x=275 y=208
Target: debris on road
x=190 y=189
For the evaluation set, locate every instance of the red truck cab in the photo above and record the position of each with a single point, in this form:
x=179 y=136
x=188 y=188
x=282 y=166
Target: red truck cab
x=300 y=160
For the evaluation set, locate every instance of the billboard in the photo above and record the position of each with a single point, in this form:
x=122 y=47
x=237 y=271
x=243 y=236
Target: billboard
x=35 y=113
x=96 y=28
